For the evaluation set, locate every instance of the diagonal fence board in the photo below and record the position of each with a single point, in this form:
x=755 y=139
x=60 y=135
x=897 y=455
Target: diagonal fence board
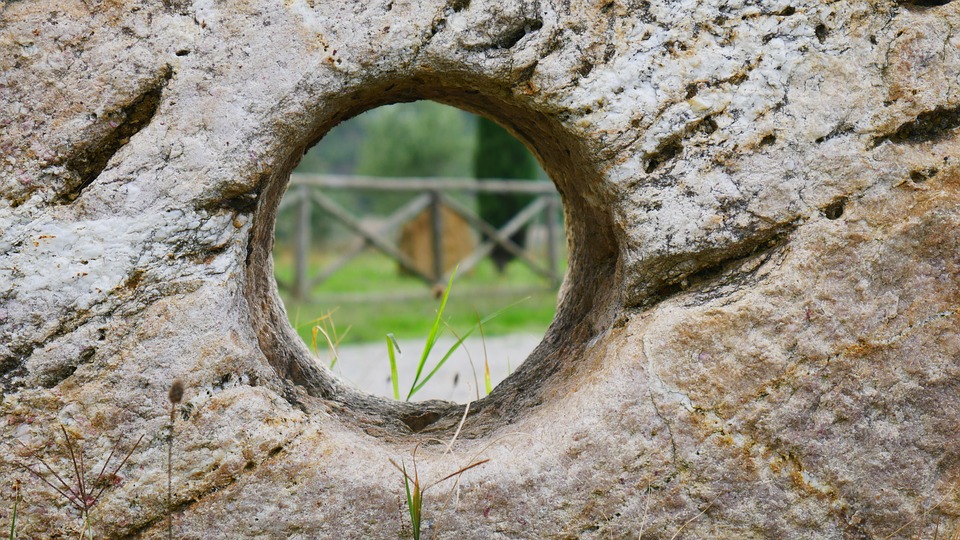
x=307 y=191
x=394 y=221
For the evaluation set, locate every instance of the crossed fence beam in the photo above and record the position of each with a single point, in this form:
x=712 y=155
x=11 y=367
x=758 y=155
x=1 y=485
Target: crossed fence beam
x=307 y=191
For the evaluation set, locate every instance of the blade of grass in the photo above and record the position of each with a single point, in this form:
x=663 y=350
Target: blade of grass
x=412 y=505
x=13 y=518
x=391 y=345
x=330 y=344
x=326 y=325
x=414 y=498
x=488 y=386
x=414 y=389
x=432 y=336
x=337 y=338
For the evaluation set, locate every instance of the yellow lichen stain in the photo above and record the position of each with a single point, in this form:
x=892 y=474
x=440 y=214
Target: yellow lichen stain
x=796 y=476
x=776 y=465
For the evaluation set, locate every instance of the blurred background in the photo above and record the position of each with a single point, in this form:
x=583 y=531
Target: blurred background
x=381 y=212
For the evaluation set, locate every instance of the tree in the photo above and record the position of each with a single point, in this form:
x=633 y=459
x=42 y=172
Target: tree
x=421 y=139
x=416 y=139
x=499 y=155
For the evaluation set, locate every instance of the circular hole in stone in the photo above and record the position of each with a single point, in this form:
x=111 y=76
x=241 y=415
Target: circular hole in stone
x=588 y=303
x=835 y=209
x=354 y=251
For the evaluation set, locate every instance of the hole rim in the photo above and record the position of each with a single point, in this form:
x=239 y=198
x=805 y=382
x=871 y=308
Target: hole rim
x=588 y=301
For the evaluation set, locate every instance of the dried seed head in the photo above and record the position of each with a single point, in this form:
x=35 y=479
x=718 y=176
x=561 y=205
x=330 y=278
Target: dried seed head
x=176 y=391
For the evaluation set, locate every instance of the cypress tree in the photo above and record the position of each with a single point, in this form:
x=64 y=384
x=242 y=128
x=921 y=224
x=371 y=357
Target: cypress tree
x=499 y=155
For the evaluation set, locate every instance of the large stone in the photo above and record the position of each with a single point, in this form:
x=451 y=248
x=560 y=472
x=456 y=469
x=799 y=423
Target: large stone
x=757 y=336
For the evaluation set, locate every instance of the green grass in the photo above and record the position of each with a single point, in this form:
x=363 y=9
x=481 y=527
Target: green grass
x=478 y=292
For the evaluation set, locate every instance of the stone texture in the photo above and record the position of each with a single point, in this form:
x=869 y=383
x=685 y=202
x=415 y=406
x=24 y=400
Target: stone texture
x=756 y=337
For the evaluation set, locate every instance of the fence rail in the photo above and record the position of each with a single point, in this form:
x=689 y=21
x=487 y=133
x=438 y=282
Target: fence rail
x=310 y=191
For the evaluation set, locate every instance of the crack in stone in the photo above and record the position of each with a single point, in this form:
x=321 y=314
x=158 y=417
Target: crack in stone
x=930 y=126
x=708 y=278
x=88 y=161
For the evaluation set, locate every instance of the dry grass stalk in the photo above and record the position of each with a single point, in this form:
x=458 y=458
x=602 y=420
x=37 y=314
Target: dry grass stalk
x=175 y=397
x=81 y=494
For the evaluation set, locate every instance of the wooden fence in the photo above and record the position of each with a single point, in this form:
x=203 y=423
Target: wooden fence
x=309 y=192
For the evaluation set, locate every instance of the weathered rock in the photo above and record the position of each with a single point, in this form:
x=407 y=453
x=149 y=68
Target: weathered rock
x=757 y=335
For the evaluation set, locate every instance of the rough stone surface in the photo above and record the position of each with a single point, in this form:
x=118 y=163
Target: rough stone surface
x=756 y=336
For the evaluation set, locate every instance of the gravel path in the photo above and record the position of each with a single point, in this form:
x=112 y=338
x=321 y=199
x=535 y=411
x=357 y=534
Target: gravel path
x=367 y=366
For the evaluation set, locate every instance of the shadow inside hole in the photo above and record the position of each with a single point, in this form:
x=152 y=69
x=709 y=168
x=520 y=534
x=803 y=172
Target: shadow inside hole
x=835 y=209
x=344 y=292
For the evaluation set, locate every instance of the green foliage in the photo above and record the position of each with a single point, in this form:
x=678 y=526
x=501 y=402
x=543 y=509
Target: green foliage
x=419 y=379
x=393 y=348
x=416 y=139
x=499 y=155
x=404 y=307
x=414 y=501
x=416 y=491
x=422 y=139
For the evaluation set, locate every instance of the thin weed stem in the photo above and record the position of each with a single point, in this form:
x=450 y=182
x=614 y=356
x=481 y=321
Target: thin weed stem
x=473 y=368
x=81 y=495
x=16 y=503
x=923 y=515
x=691 y=520
x=175 y=396
x=466 y=411
x=326 y=326
x=646 y=506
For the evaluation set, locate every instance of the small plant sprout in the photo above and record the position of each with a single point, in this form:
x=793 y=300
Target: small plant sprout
x=82 y=494
x=420 y=379
x=16 y=503
x=393 y=349
x=415 y=491
x=175 y=396
x=487 y=383
x=326 y=327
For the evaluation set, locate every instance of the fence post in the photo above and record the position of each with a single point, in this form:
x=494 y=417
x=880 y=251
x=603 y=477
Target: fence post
x=302 y=252
x=552 y=236
x=436 y=227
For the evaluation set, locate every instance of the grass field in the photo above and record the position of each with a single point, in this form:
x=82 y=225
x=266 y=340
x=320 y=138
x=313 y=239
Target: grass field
x=403 y=305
